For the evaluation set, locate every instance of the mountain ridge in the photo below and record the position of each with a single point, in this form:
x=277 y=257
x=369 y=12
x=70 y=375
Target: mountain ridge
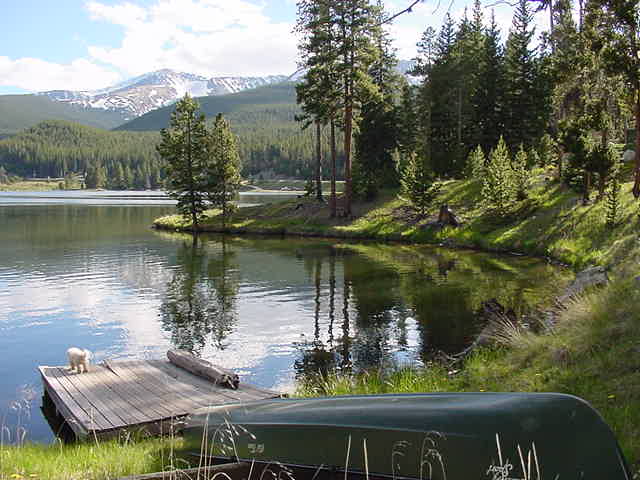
x=139 y=95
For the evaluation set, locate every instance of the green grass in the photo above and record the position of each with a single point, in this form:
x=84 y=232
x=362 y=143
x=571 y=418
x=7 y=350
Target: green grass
x=594 y=353
x=551 y=223
x=90 y=461
x=30 y=186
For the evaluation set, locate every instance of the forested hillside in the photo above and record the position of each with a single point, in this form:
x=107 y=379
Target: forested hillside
x=279 y=99
x=18 y=112
x=57 y=148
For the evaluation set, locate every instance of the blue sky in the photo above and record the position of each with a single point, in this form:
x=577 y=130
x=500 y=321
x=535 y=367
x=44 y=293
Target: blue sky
x=91 y=44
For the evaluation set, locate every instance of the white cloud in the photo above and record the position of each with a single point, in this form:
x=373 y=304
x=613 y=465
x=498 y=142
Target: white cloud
x=210 y=38
x=207 y=37
x=35 y=75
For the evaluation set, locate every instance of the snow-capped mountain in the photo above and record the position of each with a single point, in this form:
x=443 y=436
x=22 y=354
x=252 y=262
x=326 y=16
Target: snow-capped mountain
x=139 y=95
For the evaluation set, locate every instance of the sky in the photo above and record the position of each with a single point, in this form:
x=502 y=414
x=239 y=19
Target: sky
x=93 y=44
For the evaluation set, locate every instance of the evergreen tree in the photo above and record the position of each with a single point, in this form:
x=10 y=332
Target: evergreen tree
x=418 y=184
x=498 y=184
x=407 y=119
x=184 y=148
x=491 y=86
x=616 y=38
x=223 y=169
x=613 y=199
x=520 y=173
x=318 y=91
x=376 y=139
x=91 y=176
x=476 y=164
x=443 y=99
x=522 y=110
x=355 y=24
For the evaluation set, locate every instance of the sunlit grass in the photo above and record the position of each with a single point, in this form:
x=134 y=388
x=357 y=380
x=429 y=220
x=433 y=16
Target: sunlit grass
x=90 y=461
x=593 y=352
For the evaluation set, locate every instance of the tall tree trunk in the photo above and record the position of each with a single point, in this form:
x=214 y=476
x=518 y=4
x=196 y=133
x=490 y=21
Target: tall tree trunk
x=552 y=27
x=194 y=214
x=587 y=187
x=636 y=183
x=318 y=161
x=348 y=121
x=333 y=167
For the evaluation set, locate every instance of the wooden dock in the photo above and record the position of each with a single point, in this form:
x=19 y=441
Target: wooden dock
x=150 y=396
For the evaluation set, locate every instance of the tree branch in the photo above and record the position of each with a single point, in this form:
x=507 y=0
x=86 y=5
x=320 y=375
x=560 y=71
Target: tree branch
x=406 y=10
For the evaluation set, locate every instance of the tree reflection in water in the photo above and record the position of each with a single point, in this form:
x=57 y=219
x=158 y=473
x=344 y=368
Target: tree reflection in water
x=201 y=297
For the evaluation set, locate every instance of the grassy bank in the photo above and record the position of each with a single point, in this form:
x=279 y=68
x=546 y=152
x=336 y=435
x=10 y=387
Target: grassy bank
x=552 y=223
x=593 y=352
x=30 y=186
x=88 y=461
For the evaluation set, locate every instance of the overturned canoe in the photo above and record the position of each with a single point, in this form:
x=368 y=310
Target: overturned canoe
x=464 y=436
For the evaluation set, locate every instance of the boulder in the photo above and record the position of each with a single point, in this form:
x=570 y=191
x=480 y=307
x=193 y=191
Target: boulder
x=447 y=217
x=590 y=277
x=628 y=156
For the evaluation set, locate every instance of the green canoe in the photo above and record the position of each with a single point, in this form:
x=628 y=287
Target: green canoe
x=463 y=436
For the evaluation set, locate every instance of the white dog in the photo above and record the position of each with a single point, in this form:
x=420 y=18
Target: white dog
x=78 y=359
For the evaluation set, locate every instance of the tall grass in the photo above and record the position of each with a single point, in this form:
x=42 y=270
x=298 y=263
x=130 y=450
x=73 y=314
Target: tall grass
x=592 y=352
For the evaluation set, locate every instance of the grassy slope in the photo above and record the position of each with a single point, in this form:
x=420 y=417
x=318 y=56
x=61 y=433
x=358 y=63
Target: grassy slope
x=18 y=112
x=594 y=352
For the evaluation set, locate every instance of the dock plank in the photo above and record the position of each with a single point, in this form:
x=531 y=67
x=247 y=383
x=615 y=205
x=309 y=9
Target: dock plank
x=101 y=398
x=80 y=401
x=131 y=386
x=176 y=401
x=135 y=394
x=125 y=405
x=79 y=421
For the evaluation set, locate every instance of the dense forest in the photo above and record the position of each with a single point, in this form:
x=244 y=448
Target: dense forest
x=271 y=143
x=483 y=107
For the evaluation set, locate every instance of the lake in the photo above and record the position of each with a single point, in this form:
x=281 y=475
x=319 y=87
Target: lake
x=88 y=271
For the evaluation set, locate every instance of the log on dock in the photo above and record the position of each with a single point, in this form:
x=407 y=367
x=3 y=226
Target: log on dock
x=204 y=369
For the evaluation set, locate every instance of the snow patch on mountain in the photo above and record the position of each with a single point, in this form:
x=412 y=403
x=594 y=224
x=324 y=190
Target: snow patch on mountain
x=139 y=95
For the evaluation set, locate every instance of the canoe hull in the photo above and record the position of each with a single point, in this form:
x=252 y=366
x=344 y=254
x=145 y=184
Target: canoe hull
x=434 y=436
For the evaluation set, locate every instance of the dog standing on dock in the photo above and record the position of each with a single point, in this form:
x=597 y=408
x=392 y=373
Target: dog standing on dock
x=78 y=359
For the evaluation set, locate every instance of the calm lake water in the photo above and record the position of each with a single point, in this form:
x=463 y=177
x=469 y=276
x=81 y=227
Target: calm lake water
x=89 y=272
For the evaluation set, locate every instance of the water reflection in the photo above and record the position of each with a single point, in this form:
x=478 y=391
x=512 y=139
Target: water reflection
x=200 y=299
x=270 y=308
x=370 y=305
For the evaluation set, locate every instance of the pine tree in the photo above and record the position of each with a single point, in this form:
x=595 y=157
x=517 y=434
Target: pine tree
x=407 y=120
x=223 y=169
x=476 y=164
x=520 y=173
x=314 y=47
x=498 y=184
x=418 y=184
x=377 y=137
x=355 y=25
x=616 y=38
x=184 y=149
x=491 y=86
x=613 y=199
x=443 y=98
x=522 y=122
